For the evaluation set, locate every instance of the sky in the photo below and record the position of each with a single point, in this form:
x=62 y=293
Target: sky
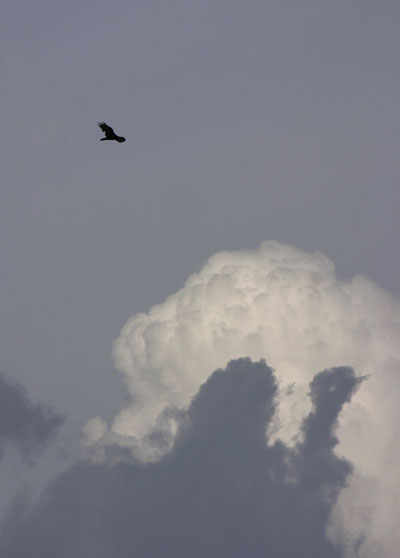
x=250 y=218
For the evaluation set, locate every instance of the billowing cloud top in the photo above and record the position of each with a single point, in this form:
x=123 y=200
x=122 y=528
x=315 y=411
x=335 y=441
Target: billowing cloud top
x=277 y=303
x=287 y=306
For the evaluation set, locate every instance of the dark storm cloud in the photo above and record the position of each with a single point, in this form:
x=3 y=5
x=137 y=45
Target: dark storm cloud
x=222 y=491
x=24 y=424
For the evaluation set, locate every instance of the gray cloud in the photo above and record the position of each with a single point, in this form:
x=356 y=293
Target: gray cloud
x=222 y=491
x=25 y=425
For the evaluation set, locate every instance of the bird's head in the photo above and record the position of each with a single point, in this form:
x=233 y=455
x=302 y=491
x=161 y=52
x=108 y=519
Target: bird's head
x=121 y=140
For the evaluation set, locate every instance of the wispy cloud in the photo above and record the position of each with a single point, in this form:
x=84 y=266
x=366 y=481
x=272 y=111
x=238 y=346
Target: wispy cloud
x=25 y=425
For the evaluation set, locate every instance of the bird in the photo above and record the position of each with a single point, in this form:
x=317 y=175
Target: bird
x=109 y=132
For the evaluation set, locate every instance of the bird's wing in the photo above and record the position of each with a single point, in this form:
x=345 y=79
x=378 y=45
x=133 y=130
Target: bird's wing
x=106 y=128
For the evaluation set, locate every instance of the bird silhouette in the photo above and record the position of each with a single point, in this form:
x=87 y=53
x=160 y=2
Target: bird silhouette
x=109 y=133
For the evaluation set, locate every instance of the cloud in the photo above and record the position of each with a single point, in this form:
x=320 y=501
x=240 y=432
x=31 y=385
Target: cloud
x=289 y=307
x=32 y=448
x=328 y=471
x=24 y=425
x=222 y=491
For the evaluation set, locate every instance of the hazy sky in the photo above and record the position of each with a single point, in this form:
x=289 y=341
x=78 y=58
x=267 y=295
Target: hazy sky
x=245 y=122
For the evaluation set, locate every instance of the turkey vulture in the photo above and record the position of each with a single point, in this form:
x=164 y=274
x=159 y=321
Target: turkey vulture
x=109 y=132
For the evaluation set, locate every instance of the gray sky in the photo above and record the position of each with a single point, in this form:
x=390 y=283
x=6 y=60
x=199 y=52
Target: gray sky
x=245 y=121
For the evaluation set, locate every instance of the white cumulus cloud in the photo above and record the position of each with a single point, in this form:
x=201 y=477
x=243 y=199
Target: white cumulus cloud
x=288 y=307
